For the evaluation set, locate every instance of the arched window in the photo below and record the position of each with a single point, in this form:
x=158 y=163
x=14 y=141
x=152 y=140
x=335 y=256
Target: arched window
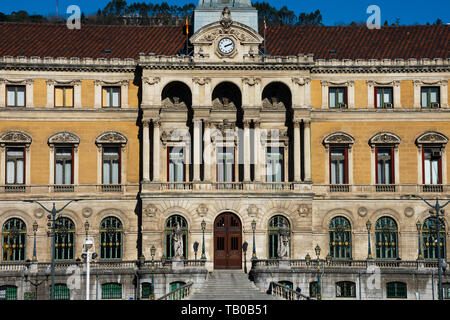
x=64 y=239
x=340 y=238
x=345 y=289
x=429 y=235
x=111 y=238
x=274 y=225
x=111 y=290
x=386 y=238
x=14 y=240
x=62 y=292
x=8 y=293
x=396 y=290
x=170 y=225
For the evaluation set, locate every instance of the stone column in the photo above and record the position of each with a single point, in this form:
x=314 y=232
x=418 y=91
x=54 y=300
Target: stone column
x=307 y=146
x=97 y=94
x=156 y=151
x=257 y=153
x=247 y=150
x=124 y=94
x=146 y=150
x=207 y=154
x=370 y=94
x=50 y=93
x=351 y=94
x=417 y=97
x=197 y=149
x=2 y=93
x=29 y=92
x=297 y=161
x=77 y=94
x=397 y=94
x=444 y=94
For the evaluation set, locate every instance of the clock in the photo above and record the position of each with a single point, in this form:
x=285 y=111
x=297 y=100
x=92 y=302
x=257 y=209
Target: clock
x=226 y=46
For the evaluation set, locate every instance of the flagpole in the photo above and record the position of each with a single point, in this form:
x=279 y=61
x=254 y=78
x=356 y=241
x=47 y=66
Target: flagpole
x=265 y=26
x=187 y=36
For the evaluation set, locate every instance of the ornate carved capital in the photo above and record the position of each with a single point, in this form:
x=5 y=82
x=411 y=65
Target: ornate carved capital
x=251 y=81
x=201 y=81
x=151 y=81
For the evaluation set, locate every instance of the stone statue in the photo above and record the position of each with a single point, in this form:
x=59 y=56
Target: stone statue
x=177 y=240
x=283 y=241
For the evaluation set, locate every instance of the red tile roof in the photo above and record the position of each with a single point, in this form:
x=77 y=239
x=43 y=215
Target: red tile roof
x=392 y=42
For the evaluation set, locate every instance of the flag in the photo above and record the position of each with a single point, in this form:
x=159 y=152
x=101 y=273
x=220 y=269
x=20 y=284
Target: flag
x=265 y=25
x=187 y=26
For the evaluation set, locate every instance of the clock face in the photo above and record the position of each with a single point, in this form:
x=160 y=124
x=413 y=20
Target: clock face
x=226 y=46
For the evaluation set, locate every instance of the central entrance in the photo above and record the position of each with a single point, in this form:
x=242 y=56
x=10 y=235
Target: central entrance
x=227 y=241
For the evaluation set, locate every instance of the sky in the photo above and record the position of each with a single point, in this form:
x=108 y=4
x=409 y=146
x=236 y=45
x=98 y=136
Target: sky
x=333 y=11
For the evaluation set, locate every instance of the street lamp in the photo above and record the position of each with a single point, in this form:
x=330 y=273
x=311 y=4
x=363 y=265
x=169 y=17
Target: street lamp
x=254 y=248
x=369 y=252
x=35 y=228
x=36 y=283
x=437 y=213
x=419 y=227
x=52 y=225
x=319 y=272
x=152 y=252
x=203 y=240
x=88 y=244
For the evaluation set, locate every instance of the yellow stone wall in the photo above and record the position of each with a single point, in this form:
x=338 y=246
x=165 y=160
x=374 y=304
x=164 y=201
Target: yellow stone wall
x=133 y=101
x=40 y=93
x=361 y=94
x=407 y=94
x=316 y=94
x=87 y=93
x=362 y=132
x=87 y=132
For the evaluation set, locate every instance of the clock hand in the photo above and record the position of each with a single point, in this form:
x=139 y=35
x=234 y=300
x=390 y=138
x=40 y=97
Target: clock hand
x=227 y=45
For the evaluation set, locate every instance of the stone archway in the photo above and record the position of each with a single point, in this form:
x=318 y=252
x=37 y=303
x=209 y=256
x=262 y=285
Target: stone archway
x=227 y=241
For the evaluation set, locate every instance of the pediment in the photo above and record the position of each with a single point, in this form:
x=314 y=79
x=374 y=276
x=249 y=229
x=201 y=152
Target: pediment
x=432 y=138
x=15 y=137
x=241 y=32
x=64 y=137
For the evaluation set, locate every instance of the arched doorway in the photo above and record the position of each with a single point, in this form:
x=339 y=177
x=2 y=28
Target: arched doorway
x=227 y=242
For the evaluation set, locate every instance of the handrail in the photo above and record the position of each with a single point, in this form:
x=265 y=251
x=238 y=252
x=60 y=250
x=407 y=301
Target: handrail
x=179 y=293
x=286 y=293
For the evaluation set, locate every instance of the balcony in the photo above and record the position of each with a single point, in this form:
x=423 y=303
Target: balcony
x=437 y=188
x=385 y=188
x=63 y=188
x=339 y=188
x=15 y=188
x=111 y=188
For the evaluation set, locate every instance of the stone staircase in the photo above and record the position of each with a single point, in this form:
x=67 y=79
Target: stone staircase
x=229 y=285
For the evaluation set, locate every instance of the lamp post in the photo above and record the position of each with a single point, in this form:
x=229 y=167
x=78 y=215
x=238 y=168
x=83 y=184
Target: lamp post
x=52 y=225
x=369 y=250
x=419 y=227
x=152 y=252
x=203 y=240
x=319 y=265
x=88 y=244
x=35 y=228
x=254 y=248
x=36 y=283
x=437 y=213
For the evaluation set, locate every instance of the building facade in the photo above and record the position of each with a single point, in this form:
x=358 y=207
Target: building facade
x=229 y=144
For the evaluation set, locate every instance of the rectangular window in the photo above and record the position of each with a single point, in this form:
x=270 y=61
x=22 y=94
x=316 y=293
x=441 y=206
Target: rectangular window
x=383 y=97
x=338 y=97
x=64 y=165
x=225 y=164
x=338 y=165
x=111 y=97
x=15 y=96
x=446 y=289
x=345 y=289
x=385 y=165
x=430 y=97
x=176 y=168
x=15 y=166
x=432 y=166
x=396 y=290
x=275 y=164
x=64 y=97
x=111 y=165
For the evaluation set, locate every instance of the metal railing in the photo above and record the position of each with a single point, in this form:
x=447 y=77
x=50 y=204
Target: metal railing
x=179 y=293
x=339 y=188
x=6 y=190
x=286 y=293
x=437 y=188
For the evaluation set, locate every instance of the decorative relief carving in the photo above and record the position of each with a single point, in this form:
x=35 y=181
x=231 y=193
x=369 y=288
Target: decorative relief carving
x=202 y=210
x=224 y=104
x=86 y=212
x=174 y=104
x=409 y=212
x=64 y=137
x=38 y=213
x=151 y=81
x=252 y=211
x=251 y=81
x=338 y=138
x=15 y=137
x=362 y=211
x=226 y=21
x=201 y=81
x=273 y=104
x=175 y=135
x=274 y=135
x=385 y=137
x=432 y=137
x=111 y=137
x=150 y=210
x=301 y=81
x=303 y=210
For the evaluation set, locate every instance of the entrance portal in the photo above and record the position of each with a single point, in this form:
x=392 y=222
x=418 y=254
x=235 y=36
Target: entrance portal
x=227 y=242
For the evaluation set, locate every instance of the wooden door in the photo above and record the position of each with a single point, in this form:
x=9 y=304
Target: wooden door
x=227 y=242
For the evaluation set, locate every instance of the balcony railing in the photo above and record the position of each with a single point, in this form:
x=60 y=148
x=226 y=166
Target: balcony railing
x=63 y=188
x=437 y=188
x=285 y=292
x=385 y=188
x=339 y=188
x=111 y=188
x=323 y=189
x=179 y=293
x=9 y=190
x=15 y=188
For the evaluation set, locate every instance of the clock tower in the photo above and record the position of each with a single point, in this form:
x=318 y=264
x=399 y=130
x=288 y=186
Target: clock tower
x=209 y=11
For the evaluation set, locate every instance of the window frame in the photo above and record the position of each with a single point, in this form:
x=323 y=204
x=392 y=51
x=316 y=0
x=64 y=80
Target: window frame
x=15 y=96
x=281 y=153
x=428 y=250
x=119 y=152
x=169 y=152
x=439 y=165
x=117 y=229
x=272 y=234
x=120 y=96
x=8 y=298
x=112 y=288
x=347 y=250
x=226 y=150
x=24 y=154
x=64 y=96
x=428 y=88
x=346 y=286
x=337 y=99
x=169 y=224
x=396 y=290
x=382 y=97
x=392 y=165
x=72 y=147
x=345 y=147
x=22 y=235
x=70 y=234
x=383 y=251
